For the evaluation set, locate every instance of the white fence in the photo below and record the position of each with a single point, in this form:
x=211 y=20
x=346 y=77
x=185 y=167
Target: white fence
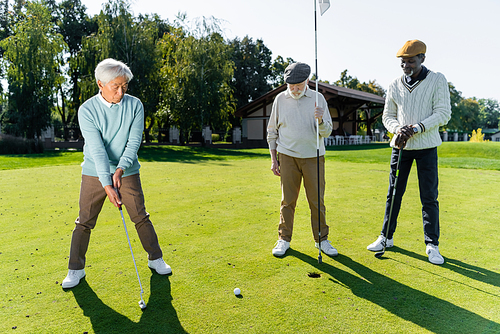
x=348 y=140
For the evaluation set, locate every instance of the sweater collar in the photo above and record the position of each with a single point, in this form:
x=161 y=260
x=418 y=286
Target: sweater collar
x=108 y=104
x=421 y=76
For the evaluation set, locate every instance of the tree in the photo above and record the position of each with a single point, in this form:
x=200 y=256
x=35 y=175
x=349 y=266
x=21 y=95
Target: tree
x=252 y=69
x=32 y=60
x=467 y=112
x=489 y=113
x=353 y=83
x=455 y=122
x=196 y=73
x=73 y=24
x=278 y=69
x=132 y=40
x=5 y=26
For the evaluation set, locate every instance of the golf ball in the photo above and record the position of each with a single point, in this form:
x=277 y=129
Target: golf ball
x=237 y=291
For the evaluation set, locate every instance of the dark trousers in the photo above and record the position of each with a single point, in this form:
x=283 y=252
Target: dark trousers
x=92 y=197
x=427 y=171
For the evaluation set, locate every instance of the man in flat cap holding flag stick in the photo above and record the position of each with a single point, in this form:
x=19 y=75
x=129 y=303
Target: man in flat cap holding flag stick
x=291 y=135
x=416 y=105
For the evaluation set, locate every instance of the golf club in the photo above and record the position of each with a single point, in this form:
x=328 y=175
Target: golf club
x=142 y=304
x=379 y=254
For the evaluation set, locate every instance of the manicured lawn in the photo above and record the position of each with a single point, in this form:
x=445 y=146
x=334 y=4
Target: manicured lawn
x=216 y=214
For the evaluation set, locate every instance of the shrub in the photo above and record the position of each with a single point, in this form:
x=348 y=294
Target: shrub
x=17 y=145
x=477 y=136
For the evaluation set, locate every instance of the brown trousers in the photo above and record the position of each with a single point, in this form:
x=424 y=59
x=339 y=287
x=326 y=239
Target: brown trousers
x=92 y=197
x=292 y=171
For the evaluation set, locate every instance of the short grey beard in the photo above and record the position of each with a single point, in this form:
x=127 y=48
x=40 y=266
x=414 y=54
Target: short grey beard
x=299 y=96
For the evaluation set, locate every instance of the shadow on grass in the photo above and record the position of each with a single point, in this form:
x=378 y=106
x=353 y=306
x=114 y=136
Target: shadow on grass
x=189 y=154
x=420 y=308
x=159 y=316
x=462 y=268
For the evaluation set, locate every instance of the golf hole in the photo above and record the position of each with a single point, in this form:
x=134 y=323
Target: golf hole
x=314 y=275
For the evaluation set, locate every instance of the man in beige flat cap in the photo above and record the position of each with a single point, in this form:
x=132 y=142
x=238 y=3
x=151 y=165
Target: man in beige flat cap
x=291 y=135
x=416 y=105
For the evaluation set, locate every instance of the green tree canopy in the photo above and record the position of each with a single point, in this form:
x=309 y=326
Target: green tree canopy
x=278 y=70
x=132 y=40
x=196 y=75
x=489 y=113
x=74 y=25
x=32 y=60
x=353 y=83
x=467 y=112
x=252 y=69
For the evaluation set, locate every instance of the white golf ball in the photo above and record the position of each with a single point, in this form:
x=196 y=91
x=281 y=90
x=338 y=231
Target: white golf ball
x=237 y=291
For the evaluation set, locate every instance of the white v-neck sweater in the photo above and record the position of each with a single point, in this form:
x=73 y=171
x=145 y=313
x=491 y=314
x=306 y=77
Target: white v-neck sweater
x=426 y=103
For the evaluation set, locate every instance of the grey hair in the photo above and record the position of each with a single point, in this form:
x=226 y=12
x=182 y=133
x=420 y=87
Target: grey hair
x=110 y=69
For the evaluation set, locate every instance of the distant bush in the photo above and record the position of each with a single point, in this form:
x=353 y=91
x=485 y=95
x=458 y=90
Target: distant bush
x=17 y=145
x=477 y=136
x=215 y=137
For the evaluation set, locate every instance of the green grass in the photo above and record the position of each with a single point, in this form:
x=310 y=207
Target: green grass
x=216 y=214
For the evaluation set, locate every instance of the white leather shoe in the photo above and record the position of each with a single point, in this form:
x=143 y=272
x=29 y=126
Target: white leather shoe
x=433 y=252
x=327 y=248
x=73 y=278
x=160 y=266
x=280 y=247
x=378 y=245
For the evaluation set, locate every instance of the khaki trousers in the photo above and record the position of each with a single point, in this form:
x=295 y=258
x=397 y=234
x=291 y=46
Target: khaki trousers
x=292 y=171
x=92 y=197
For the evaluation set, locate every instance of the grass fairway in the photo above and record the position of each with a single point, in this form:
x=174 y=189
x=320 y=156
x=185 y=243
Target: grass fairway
x=216 y=215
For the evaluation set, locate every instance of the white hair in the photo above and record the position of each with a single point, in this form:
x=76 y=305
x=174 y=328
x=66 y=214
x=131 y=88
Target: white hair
x=110 y=69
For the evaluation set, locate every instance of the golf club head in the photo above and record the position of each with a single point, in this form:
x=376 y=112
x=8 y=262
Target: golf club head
x=142 y=304
x=379 y=254
x=320 y=259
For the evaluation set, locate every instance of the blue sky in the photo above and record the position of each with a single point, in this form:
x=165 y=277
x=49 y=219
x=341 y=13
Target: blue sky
x=362 y=36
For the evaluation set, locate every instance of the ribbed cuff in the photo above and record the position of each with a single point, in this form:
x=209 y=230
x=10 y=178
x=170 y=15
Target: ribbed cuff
x=421 y=126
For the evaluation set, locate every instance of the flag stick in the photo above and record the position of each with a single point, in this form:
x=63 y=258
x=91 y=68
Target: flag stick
x=317 y=128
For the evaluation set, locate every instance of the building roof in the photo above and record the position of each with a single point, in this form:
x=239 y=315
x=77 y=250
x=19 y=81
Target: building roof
x=334 y=95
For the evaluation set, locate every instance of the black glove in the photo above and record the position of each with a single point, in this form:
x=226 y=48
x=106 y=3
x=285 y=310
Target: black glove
x=400 y=142
x=404 y=133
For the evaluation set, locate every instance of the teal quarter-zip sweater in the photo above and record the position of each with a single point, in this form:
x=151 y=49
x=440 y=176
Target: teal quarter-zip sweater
x=113 y=135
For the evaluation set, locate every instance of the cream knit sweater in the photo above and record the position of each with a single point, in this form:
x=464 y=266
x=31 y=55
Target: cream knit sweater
x=292 y=127
x=426 y=103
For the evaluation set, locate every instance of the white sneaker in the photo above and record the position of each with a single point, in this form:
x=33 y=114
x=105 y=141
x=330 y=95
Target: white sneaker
x=73 y=278
x=378 y=245
x=327 y=248
x=280 y=247
x=160 y=266
x=433 y=252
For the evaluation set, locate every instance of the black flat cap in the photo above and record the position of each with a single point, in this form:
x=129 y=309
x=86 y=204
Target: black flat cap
x=296 y=73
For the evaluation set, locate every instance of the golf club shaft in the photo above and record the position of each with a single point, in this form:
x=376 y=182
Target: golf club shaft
x=392 y=198
x=131 y=252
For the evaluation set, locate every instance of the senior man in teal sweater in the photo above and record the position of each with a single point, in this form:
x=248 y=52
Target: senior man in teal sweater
x=112 y=123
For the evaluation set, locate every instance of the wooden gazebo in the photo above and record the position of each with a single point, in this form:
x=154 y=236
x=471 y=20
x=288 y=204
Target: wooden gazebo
x=344 y=104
